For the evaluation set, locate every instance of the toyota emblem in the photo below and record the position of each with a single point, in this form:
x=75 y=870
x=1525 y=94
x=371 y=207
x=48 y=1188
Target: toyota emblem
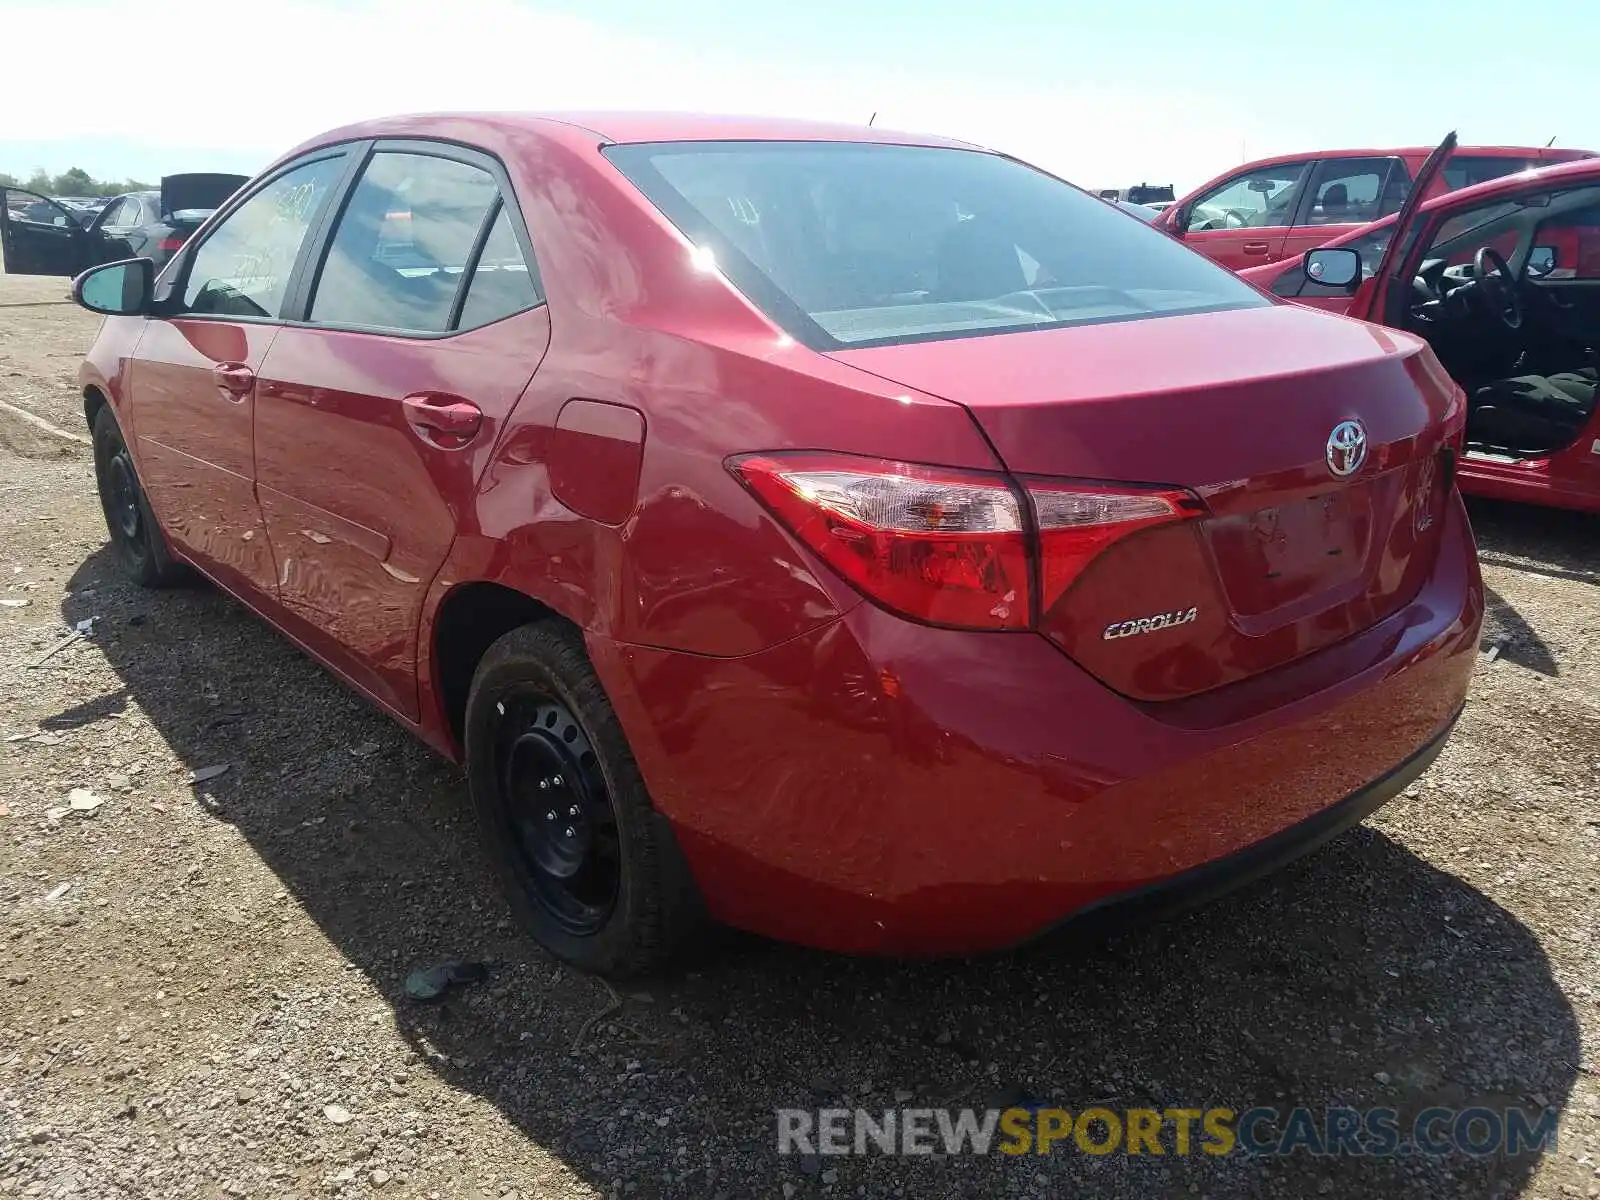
x=1347 y=448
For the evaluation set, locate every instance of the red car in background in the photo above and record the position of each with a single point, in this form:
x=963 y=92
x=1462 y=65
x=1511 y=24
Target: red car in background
x=856 y=537
x=1280 y=207
x=1503 y=281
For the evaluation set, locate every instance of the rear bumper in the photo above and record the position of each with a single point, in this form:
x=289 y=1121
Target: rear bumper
x=1208 y=881
x=876 y=786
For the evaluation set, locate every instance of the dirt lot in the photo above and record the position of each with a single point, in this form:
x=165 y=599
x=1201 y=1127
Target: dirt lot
x=202 y=986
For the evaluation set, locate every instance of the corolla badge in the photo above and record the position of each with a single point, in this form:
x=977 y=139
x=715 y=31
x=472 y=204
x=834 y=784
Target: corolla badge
x=1122 y=629
x=1347 y=448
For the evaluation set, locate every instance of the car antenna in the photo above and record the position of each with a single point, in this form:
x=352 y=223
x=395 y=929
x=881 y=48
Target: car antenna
x=1550 y=143
x=874 y=117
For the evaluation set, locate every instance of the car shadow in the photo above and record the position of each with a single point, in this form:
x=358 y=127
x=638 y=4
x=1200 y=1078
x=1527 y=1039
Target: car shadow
x=1363 y=976
x=1554 y=542
x=1507 y=633
x=87 y=713
x=1546 y=542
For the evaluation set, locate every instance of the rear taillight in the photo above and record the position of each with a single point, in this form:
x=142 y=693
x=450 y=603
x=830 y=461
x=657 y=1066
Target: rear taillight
x=943 y=546
x=172 y=243
x=947 y=546
x=1077 y=522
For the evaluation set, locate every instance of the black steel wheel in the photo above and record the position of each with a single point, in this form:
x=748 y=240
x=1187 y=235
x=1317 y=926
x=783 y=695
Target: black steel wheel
x=122 y=505
x=568 y=851
x=136 y=540
x=590 y=867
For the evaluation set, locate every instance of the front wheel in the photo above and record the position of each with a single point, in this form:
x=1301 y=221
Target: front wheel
x=136 y=540
x=591 y=869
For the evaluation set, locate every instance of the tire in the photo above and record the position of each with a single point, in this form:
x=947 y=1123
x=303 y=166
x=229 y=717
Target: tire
x=591 y=869
x=137 y=542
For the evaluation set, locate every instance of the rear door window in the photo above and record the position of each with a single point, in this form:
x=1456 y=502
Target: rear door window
x=403 y=243
x=502 y=282
x=1464 y=170
x=1353 y=191
x=122 y=212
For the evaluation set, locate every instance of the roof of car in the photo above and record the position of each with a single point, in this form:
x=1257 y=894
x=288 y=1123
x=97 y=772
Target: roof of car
x=1553 y=153
x=1424 y=151
x=624 y=127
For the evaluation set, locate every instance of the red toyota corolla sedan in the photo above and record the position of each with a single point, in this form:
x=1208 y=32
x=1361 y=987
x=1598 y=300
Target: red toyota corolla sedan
x=1503 y=281
x=863 y=539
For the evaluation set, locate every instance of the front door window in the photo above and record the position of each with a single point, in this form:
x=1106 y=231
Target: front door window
x=242 y=269
x=1294 y=284
x=1262 y=198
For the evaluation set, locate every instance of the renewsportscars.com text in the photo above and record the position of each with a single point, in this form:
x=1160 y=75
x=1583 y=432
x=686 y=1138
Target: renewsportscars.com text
x=1373 y=1132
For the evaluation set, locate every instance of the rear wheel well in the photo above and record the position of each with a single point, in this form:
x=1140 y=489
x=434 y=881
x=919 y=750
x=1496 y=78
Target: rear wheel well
x=93 y=401
x=471 y=619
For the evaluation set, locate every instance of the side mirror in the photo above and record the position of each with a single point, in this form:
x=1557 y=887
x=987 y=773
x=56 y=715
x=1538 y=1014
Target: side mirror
x=1334 y=266
x=119 y=289
x=1179 y=224
x=1541 y=261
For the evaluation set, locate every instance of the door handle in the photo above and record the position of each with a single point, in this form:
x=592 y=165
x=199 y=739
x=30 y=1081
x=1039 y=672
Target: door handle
x=234 y=378
x=1255 y=247
x=447 y=421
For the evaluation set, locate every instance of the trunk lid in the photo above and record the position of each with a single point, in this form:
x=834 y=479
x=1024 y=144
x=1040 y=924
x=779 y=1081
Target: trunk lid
x=200 y=191
x=186 y=221
x=1241 y=408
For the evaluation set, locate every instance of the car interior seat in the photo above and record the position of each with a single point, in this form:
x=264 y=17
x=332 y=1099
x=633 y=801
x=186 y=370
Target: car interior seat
x=1533 y=414
x=1335 y=202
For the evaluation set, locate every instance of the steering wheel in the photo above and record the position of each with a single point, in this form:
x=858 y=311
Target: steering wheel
x=1497 y=286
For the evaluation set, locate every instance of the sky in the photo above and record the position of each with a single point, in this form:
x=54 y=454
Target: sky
x=1103 y=92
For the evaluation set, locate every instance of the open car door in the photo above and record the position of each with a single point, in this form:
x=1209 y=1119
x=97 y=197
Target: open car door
x=38 y=236
x=1369 y=302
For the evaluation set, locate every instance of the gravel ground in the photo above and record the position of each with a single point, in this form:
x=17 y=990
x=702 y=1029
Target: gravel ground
x=202 y=991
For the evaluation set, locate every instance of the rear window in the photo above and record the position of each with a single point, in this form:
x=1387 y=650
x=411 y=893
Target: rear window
x=852 y=244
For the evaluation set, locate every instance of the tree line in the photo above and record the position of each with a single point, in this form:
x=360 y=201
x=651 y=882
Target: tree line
x=73 y=182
